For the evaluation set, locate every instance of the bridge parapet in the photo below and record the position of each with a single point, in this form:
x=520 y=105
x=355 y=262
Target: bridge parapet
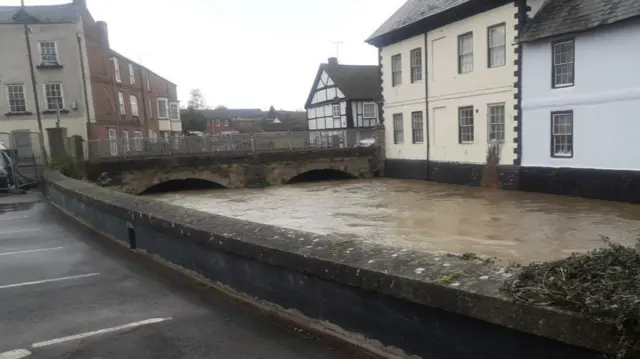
x=236 y=169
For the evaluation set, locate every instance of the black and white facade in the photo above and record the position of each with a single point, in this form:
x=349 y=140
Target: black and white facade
x=343 y=97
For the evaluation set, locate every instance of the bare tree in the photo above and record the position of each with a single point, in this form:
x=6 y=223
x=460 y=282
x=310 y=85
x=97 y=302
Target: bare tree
x=196 y=100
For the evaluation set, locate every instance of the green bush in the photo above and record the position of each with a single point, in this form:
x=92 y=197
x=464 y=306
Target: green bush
x=68 y=166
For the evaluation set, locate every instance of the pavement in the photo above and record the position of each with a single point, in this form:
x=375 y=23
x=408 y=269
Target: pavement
x=67 y=292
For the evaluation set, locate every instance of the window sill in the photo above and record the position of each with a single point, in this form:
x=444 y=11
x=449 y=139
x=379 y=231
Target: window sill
x=466 y=143
x=562 y=156
x=419 y=143
x=53 y=112
x=12 y=114
x=556 y=87
x=49 y=66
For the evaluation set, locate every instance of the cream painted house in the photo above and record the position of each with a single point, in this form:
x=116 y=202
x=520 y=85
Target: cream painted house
x=450 y=87
x=56 y=33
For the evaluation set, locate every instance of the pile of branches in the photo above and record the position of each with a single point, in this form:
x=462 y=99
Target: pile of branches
x=602 y=284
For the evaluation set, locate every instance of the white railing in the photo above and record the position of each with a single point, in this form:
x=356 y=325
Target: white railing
x=242 y=142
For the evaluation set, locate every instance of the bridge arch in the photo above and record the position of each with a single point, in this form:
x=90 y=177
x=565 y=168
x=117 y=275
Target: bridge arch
x=175 y=185
x=326 y=174
x=176 y=181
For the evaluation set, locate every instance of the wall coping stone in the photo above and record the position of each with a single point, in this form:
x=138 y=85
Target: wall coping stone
x=409 y=275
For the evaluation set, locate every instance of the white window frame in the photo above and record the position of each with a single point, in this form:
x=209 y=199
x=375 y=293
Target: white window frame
x=150 y=114
x=225 y=123
x=417 y=127
x=133 y=101
x=369 y=114
x=46 y=98
x=465 y=55
x=396 y=70
x=112 y=135
x=116 y=69
x=557 y=64
x=398 y=128
x=496 y=49
x=55 y=49
x=132 y=74
x=24 y=98
x=166 y=107
x=121 y=105
x=416 y=65
x=175 y=104
x=494 y=127
x=556 y=115
x=463 y=124
x=217 y=123
x=336 y=111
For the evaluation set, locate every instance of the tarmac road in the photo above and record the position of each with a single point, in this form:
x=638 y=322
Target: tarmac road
x=67 y=292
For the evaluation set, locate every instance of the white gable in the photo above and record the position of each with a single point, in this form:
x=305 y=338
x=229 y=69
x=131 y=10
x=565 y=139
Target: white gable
x=324 y=78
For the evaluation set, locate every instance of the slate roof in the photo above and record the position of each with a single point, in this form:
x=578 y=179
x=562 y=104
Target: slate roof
x=559 y=17
x=65 y=13
x=413 y=11
x=357 y=82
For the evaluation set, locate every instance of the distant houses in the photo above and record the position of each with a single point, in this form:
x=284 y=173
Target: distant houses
x=550 y=82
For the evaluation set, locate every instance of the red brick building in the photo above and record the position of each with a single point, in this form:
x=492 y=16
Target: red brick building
x=129 y=99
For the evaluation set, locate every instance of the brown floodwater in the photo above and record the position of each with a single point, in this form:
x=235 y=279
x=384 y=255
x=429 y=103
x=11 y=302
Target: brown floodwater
x=427 y=216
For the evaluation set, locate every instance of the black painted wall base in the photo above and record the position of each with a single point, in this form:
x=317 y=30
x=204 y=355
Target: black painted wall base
x=468 y=174
x=611 y=185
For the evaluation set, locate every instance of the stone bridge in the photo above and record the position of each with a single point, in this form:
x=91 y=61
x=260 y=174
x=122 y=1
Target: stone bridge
x=238 y=170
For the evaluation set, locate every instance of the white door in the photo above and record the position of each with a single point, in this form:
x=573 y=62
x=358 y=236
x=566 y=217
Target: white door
x=113 y=142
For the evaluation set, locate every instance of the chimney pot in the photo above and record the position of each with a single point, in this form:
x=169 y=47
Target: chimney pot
x=333 y=61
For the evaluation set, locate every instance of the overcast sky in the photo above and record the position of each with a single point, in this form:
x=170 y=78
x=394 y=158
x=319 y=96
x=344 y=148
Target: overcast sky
x=251 y=53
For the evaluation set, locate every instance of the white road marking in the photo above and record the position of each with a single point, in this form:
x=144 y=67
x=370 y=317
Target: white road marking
x=48 y=280
x=98 y=332
x=22 y=231
x=29 y=251
x=6 y=219
x=15 y=354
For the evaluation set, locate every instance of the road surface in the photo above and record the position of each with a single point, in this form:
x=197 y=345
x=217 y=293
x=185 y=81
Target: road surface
x=67 y=292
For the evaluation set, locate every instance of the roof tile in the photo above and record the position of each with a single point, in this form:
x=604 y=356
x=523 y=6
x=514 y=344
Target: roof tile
x=559 y=17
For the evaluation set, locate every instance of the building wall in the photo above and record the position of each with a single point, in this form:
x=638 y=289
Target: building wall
x=403 y=99
x=357 y=113
x=147 y=87
x=14 y=69
x=319 y=113
x=449 y=90
x=605 y=100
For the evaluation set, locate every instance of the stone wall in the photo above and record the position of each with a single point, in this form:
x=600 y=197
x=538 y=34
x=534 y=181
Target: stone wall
x=236 y=170
x=389 y=299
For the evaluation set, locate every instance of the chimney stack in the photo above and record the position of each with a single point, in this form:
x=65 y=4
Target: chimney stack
x=333 y=61
x=104 y=33
x=81 y=3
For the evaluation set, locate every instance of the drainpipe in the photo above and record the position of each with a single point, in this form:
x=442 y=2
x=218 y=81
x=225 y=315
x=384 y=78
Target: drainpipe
x=84 y=86
x=426 y=101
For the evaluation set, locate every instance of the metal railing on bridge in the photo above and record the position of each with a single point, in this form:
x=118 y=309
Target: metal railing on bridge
x=140 y=147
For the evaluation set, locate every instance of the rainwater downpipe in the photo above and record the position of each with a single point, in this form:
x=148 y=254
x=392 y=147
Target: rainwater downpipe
x=426 y=101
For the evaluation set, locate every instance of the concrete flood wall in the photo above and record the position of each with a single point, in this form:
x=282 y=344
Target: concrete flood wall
x=388 y=299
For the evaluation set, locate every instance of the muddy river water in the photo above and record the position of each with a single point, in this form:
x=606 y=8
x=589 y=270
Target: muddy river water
x=427 y=216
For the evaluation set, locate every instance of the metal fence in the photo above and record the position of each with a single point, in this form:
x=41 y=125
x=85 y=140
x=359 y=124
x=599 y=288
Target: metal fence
x=242 y=142
x=27 y=162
